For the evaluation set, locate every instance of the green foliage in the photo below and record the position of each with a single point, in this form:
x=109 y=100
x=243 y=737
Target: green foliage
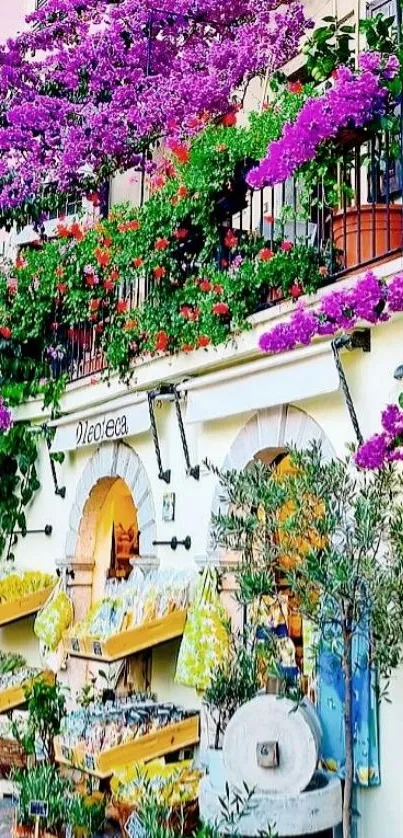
x=234 y=682
x=11 y=662
x=86 y=814
x=42 y=782
x=19 y=481
x=329 y=47
x=46 y=704
x=355 y=576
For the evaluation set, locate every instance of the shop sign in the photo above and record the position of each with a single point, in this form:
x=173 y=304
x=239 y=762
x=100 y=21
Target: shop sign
x=113 y=424
x=101 y=429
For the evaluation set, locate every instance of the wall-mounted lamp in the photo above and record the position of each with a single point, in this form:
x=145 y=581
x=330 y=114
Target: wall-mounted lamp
x=169 y=393
x=360 y=339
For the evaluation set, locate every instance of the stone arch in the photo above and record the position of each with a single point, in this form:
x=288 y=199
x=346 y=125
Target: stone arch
x=276 y=428
x=113 y=460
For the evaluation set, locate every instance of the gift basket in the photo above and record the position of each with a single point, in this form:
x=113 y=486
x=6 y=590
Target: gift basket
x=17 y=584
x=173 y=786
x=89 y=734
x=133 y=603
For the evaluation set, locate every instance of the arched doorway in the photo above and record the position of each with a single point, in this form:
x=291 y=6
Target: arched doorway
x=266 y=437
x=112 y=520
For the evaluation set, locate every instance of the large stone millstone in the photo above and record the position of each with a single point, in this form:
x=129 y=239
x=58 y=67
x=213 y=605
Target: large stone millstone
x=314 y=812
x=272 y=745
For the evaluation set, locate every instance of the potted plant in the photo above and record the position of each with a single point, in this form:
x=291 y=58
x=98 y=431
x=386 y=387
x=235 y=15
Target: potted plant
x=349 y=584
x=42 y=783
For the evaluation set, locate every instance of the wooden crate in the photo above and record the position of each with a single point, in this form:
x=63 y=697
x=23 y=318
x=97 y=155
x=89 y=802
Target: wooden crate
x=129 y=642
x=15 y=696
x=19 y=608
x=151 y=746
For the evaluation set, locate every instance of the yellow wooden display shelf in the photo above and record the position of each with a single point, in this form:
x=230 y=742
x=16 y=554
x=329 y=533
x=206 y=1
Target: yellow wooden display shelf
x=150 y=746
x=129 y=642
x=18 y=608
x=15 y=696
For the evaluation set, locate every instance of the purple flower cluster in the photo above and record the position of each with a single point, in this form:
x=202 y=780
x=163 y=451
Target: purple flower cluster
x=370 y=300
x=353 y=100
x=6 y=420
x=384 y=447
x=84 y=89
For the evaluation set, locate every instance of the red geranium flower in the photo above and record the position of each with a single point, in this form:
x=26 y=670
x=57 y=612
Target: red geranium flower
x=231 y=239
x=286 y=246
x=109 y=285
x=59 y=271
x=185 y=312
x=161 y=341
x=61 y=287
x=114 y=275
x=203 y=340
x=265 y=254
x=159 y=272
x=180 y=234
x=218 y=289
x=20 y=262
x=99 y=328
x=161 y=244
x=187 y=347
x=295 y=87
x=296 y=290
x=5 y=332
x=91 y=280
x=94 y=305
x=269 y=219
x=182 y=191
x=107 y=241
x=205 y=285
x=63 y=231
x=103 y=257
x=76 y=231
x=180 y=152
x=121 y=306
x=221 y=309
x=229 y=119
x=138 y=262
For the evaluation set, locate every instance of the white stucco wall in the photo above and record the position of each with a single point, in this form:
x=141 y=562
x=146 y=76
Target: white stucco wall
x=370 y=377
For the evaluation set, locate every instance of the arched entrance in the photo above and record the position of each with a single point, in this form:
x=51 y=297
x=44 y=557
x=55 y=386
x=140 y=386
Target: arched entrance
x=113 y=513
x=266 y=435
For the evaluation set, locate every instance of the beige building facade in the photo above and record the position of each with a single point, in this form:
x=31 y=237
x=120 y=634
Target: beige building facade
x=236 y=404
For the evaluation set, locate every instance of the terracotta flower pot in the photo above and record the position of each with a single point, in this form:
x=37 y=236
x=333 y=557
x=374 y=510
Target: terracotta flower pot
x=361 y=234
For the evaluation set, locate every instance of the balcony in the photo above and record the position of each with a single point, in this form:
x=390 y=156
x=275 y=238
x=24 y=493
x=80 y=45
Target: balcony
x=364 y=230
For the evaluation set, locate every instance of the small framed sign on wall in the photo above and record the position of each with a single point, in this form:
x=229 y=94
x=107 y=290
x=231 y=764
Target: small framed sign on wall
x=168 y=507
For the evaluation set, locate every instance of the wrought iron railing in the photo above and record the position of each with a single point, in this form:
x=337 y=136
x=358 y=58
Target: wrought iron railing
x=366 y=228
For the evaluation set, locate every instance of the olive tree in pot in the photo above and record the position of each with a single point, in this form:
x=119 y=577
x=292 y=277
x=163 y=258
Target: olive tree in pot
x=246 y=526
x=350 y=582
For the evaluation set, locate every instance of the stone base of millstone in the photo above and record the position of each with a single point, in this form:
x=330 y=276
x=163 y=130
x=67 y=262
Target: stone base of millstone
x=313 y=812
